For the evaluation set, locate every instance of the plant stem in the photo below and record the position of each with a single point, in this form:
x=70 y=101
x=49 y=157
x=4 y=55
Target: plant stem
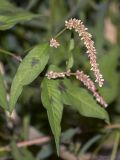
x=113 y=126
x=89 y=144
x=60 y=33
x=104 y=139
x=11 y=54
x=115 y=147
x=39 y=141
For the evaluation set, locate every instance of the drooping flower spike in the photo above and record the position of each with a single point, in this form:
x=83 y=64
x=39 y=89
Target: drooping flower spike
x=79 y=27
x=81 y=76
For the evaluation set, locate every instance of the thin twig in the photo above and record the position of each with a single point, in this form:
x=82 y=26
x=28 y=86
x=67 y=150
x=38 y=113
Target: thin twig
x=46 y=139
x=113 y=126
x=89 y=143
x=62 y=31
x=18 y=58
x=98 y=148
x=38 y=141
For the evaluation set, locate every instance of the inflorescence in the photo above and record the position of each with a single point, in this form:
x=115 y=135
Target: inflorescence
x=54 y=43
x=80 y=75
x=86 y=37
x=79 y=27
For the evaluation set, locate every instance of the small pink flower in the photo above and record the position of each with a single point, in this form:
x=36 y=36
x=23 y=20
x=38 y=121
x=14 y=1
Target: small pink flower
x=54 y=75
x=54 y=43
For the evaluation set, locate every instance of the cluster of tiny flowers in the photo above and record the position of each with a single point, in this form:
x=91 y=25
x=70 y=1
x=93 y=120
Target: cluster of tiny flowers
x=90 y=85
x=54 y=43
x=86 y=37
x=83 y=78
x=54 y=75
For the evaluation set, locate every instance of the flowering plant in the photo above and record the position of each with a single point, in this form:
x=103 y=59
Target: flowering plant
x=78 y=26
x=66 y=73
x=53 y=92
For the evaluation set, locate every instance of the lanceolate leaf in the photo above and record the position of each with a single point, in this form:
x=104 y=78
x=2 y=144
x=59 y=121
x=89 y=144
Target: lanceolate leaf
x=51 y=99
x=31 y=66
x=11 y=15
x=3 y=96
x=81 y=100
x=70 y=61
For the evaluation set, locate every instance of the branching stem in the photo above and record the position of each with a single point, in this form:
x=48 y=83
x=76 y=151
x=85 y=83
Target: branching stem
x=39 y=141
x=61 y=32
x=11 y=54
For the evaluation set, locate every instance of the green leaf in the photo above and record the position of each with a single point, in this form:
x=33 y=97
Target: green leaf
x=27 y=155
x=21 y=153
x=68 y=134
x=51 y=99
x=15 y=152
x=99 y=27
x=31 y=66
x=5 y=4
x=45 y=152
x=11 y=15
x=70 y=61
x=108 y=64
x=81 y=100
x=3 y=96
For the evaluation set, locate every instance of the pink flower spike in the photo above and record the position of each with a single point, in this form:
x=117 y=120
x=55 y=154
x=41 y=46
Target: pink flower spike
x=86 y=37
x=81 y=76
x=90 y=85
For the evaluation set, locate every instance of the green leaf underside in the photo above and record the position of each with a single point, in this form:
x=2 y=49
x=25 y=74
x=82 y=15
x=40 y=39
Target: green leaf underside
x=108 y=64
x=51 y=99
x=3 y=95
x=81 y=100
x=31 y=66
x=11 y=15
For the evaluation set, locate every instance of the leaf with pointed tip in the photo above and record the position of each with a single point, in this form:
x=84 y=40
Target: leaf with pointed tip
x=51 y=99
x=11 y=15
x=31 y=66
x=3 y=95
x=81 y=100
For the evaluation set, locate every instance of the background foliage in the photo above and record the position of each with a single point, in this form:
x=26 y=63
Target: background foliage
x=25 y=29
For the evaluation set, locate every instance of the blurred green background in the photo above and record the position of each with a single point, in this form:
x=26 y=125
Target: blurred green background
x=82 y=137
